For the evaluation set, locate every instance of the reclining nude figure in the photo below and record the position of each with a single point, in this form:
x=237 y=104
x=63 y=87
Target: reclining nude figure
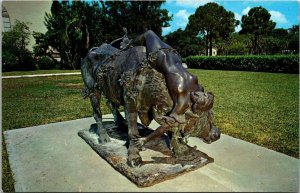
x=180 y=83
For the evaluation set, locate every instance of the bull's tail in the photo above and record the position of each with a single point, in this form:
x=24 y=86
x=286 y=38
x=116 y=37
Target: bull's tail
x=87 y=74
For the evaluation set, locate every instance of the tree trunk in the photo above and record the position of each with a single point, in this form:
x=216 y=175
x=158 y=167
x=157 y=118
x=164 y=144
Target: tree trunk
x=210 y=45
x=255 y=46
x=206 y=45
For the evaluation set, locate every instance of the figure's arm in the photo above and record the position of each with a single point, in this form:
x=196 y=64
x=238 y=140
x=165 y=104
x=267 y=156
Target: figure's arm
x=181 y=105
x=140 y=142
x=138 y=41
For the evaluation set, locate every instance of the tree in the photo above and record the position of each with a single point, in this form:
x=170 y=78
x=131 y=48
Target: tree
x=184 y=43
x=212 y=21
x=136 y=16
x=275 y=42
x=74 y=27
x=293 y=39
x=71 y=28
x=257 y=22
x=236 y=44
x=15 y=55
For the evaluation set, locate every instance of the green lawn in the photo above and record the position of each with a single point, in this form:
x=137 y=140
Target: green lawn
x=261 y=108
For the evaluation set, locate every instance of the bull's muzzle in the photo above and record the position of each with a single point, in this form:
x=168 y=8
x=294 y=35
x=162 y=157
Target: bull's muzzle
x=214 y=135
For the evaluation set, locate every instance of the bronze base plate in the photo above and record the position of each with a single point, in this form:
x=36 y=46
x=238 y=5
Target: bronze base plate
x=158 y=162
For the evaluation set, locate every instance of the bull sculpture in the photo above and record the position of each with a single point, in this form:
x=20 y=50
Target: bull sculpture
x=147 y=78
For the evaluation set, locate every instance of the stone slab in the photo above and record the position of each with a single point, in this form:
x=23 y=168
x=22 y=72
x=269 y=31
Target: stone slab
x=54 y=158
x=157 y=165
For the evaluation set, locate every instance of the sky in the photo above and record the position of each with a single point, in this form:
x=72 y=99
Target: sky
x=284 y=12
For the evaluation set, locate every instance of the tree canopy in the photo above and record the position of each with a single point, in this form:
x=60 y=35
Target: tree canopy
x=257 y=22
x=76 y=26
x=15 y=55
x=211 y=21
x=185 y=43
x=73 y=27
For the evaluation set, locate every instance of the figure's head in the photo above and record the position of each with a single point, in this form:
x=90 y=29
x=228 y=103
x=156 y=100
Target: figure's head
x=202 y=101
x=200 y=122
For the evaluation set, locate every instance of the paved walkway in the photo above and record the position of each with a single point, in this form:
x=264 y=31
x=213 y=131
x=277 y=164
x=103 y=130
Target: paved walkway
x=41 y=75
x=54 y=158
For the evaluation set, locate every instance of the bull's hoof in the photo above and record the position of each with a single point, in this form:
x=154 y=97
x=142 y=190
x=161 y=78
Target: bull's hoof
x=134 y=161
x=103 y=138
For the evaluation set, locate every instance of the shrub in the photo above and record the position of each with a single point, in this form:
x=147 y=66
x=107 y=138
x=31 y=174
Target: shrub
x=15 y=54
x=46 y=63
x=266 y=63
x=19 y=61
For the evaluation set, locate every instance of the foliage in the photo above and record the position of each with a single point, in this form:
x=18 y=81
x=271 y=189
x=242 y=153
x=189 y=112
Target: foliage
x=258 y=35
x=235 y=45
x=15 y=55
x=76 y=26
x=272 y=45
x=46 y=63
x=67 y=31
x=136 y=16
x=41 y=47
x=184 y=43
x=264 y=63
x=257 y=22
x=293 y=34
x=211 y=21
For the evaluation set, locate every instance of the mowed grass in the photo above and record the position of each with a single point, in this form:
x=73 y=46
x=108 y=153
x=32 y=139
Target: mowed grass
x=41 y=100
x=261 y=108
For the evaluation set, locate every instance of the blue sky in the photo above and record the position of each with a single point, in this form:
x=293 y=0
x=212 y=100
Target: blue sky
x=284 y=13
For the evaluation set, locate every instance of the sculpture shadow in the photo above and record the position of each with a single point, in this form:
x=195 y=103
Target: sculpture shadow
x=161 y=145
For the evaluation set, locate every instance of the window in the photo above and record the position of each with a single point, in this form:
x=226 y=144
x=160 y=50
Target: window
x=5 y=20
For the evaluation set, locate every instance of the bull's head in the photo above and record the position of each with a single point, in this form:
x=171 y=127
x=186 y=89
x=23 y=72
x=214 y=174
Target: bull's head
x=200 y=123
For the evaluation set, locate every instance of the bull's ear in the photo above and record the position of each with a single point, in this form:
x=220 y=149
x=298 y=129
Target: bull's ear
x=210 y=93
x=210 y=100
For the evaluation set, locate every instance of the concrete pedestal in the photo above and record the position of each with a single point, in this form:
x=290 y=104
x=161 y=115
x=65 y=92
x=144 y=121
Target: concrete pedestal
x=54 y=158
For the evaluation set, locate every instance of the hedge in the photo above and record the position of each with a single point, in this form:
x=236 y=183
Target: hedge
x=262 y=63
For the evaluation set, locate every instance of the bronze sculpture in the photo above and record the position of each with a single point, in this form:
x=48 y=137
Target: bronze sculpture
x=147 y=78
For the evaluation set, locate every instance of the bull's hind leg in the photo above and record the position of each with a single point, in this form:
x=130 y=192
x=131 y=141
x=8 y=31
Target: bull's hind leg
x=100 y=130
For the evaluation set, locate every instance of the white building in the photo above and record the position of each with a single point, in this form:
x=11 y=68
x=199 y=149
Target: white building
x=32 y=12
x=214 y=52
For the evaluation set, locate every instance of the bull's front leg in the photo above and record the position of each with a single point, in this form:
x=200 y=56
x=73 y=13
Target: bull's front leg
x=134 y=159
x=118 y=118
x=100 y=130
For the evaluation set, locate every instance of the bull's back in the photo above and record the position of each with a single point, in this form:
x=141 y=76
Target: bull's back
x=109 y=74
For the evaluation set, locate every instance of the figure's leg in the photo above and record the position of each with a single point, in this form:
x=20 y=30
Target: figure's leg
x=95 y=100
x=140 y=142
x=148 y=39
x=118 y=118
